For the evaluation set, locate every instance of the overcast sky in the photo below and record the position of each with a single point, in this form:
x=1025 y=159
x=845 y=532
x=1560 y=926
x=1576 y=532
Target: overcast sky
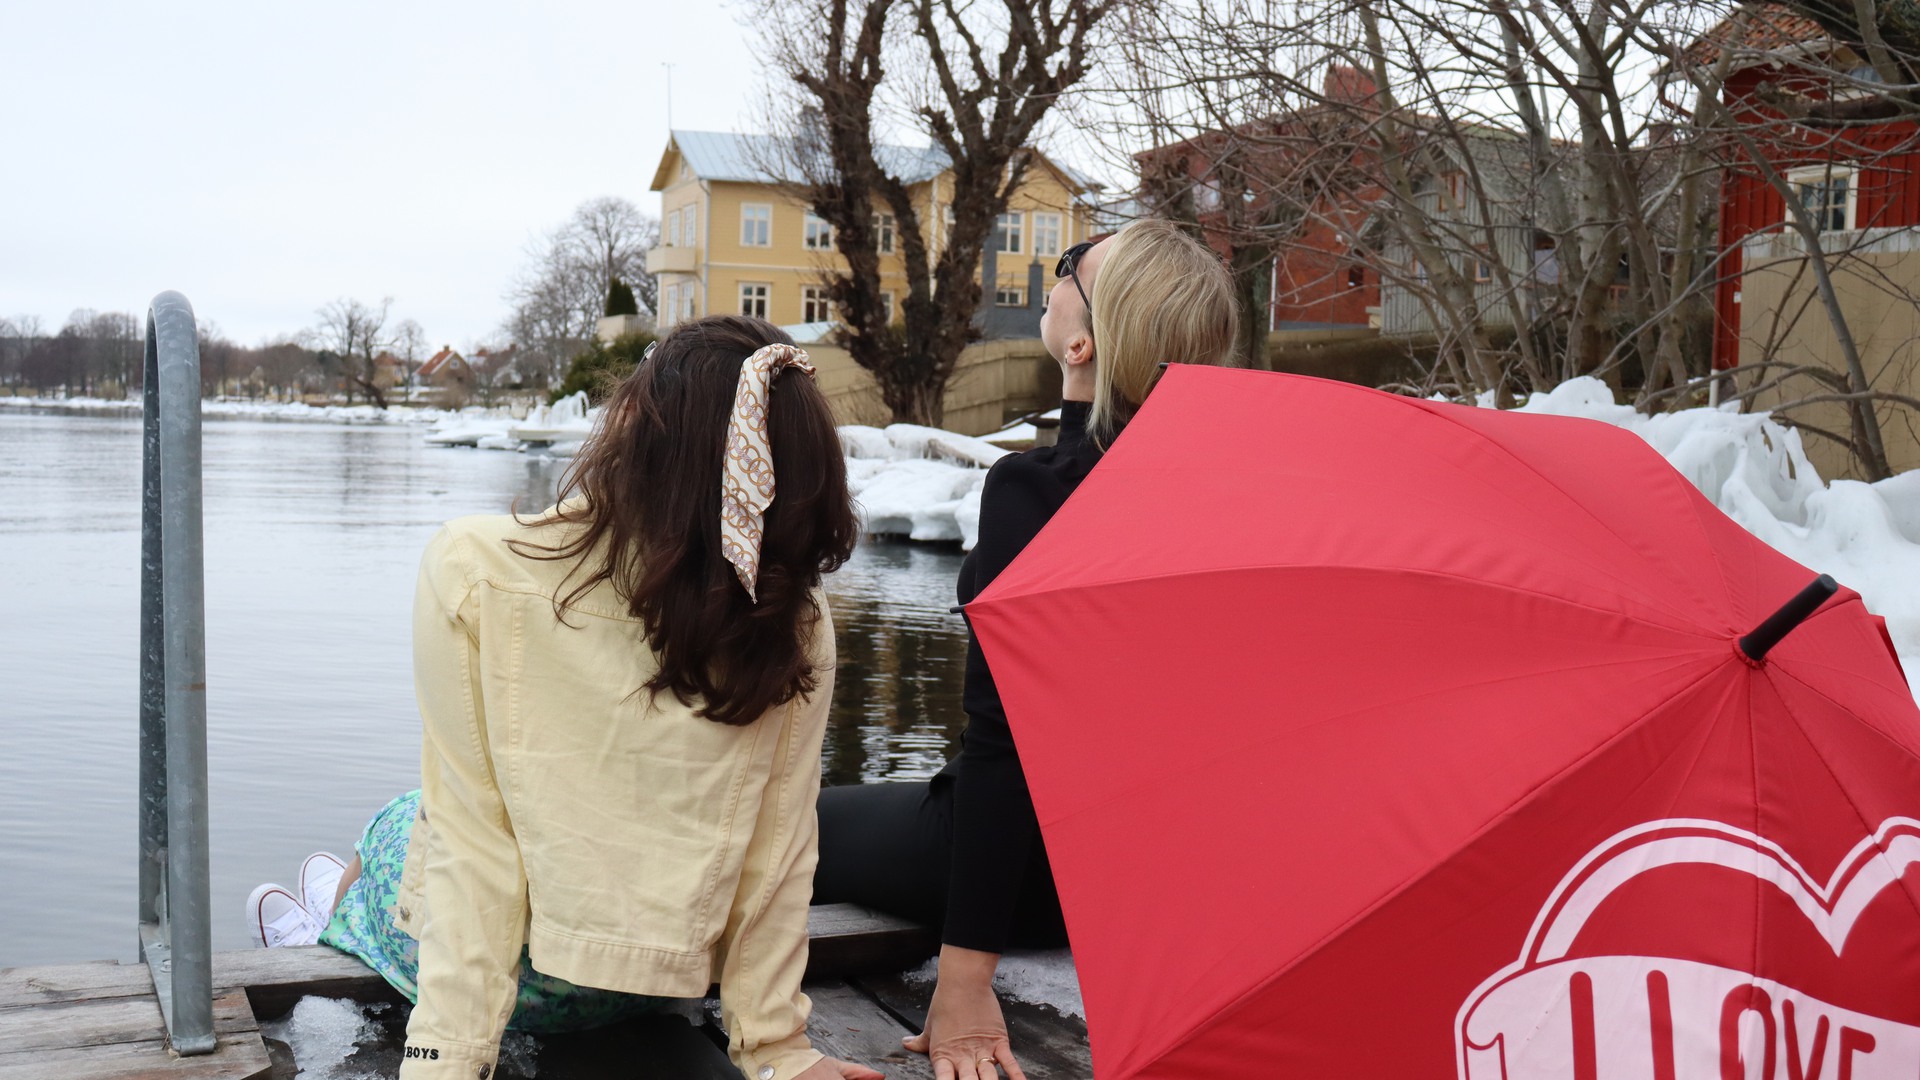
x=266 y=158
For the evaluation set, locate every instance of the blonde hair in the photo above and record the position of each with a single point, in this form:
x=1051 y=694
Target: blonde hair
x=1160 y=296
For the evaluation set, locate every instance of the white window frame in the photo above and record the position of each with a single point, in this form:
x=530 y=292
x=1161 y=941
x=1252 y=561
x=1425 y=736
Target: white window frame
x=689 y=296
x=756 y=224
x=816 y=233
x=886 y=305
x=1047 y=224
x=669 y=303
x=814 y=305
x=883 y=230
x=672 y=239
x=690 y=224
x=1822 y=176
x=756 y=292
x=1009 y=229
x=1009 y=296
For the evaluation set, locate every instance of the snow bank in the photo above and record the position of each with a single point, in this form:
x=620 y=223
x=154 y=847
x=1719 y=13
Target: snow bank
x=919 y=482
x=1756 y=471
x=237 y=409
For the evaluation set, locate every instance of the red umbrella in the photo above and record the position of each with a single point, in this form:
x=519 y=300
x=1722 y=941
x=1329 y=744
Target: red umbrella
x=1375 y=737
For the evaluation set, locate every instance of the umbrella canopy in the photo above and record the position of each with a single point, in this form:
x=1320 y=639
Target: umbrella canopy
x=1374 y=737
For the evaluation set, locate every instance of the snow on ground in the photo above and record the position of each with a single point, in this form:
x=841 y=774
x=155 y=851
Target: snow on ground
x=240 y=409
x=1756 y=471
x=1039 y=977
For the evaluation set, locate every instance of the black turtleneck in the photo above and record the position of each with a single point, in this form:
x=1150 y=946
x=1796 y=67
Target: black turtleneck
x=996 y=839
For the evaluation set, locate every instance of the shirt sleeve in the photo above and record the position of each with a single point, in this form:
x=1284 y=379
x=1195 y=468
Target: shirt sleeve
x=472 y=882
x=994 y=827
x=764 y=945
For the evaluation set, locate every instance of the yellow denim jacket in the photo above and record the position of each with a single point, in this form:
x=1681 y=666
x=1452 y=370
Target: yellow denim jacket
x=625 y=842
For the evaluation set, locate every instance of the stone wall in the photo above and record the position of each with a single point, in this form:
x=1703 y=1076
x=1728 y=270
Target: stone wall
x=994 y=382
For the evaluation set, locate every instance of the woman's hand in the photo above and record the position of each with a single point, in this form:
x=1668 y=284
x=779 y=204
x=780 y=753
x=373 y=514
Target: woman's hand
x=834 y=1069
x=966 y=1034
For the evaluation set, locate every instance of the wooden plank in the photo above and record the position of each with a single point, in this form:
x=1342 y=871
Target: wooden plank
x=851 y=940
x=50 y=983
x=851 y=1026
x=106 y=1021
x=1050 y=1046
x=239 y=1056
x=276 y=979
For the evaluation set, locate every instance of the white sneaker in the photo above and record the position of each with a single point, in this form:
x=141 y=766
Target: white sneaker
x=275 y=918
x=319 y=881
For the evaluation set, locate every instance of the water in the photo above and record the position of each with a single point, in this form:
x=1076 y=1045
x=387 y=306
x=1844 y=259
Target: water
x=313 y=537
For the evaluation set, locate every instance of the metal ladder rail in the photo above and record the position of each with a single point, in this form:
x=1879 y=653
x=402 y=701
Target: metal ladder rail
x=176 y=929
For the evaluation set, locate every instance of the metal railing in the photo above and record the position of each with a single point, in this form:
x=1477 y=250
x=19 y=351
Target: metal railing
x=176 y=926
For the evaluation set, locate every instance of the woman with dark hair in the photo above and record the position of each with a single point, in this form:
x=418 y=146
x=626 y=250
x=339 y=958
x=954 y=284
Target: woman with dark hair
x=623 y=701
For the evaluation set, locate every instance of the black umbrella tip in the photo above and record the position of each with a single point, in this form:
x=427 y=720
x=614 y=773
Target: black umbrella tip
x=1764 y=637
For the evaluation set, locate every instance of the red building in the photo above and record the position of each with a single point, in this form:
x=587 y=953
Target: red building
x=1300 y=177
x=1851 y=174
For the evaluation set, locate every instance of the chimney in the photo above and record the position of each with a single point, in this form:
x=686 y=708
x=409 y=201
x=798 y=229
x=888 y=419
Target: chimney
x=1348 y=85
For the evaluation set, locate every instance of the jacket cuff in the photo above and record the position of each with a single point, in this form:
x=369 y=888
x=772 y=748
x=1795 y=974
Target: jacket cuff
x=430 y=1060
x=772 y=1063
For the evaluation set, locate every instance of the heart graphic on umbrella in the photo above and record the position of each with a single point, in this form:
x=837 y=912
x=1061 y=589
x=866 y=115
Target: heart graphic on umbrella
x=1667 y=1018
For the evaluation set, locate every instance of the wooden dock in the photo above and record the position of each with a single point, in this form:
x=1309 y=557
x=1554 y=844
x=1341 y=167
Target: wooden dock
x=101 y=1021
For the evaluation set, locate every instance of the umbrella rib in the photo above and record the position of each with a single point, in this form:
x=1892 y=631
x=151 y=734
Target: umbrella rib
x=1867 y=826
x=1175 y=575
x=1161 y=779
x=1221 y=1014
x=1692 y=493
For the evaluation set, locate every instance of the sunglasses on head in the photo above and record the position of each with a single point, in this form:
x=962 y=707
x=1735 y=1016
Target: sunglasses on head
x=1069 y=266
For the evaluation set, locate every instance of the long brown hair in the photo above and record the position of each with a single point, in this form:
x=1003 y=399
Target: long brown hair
x=649 y=485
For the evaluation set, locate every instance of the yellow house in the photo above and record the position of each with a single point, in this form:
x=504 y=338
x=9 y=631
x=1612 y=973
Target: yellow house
x=732 y=238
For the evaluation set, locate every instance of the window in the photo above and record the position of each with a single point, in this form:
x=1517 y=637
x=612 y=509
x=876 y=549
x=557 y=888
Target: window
x=1481 y=266
x=673 y=229
x=886 y=306
x=669 y=303
x=1455 y=187
x=753 y=299
x=1046 y=234
x=688 y=215
x=1827 y=195
x=1206 y=196
x=1009 y=297
x=756 y=225
x=883 y=233
x=1356 y=276
x=813 y=304
x=1006 y=232
x=686 y=302
x=819 y=234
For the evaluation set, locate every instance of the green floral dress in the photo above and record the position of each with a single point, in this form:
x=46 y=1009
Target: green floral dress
x=363 y=925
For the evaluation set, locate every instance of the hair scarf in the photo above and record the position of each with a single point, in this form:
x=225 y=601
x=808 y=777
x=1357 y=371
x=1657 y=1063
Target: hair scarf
x=746 y=479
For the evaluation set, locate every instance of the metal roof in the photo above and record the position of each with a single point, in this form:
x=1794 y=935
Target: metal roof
x=754 y=159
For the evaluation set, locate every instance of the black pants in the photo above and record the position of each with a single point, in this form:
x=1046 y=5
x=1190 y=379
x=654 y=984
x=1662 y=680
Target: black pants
x=889 y=847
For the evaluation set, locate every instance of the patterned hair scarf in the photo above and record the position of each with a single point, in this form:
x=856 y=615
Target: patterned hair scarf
x=746 y=484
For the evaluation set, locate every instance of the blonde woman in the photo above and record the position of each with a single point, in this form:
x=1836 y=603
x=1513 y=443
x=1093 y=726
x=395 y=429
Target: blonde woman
x=963 y=851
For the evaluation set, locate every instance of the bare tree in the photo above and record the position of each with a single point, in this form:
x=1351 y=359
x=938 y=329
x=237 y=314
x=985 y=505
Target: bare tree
x=356 y=332
x=978 y=84
x=410 y=345
x=560 y=293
